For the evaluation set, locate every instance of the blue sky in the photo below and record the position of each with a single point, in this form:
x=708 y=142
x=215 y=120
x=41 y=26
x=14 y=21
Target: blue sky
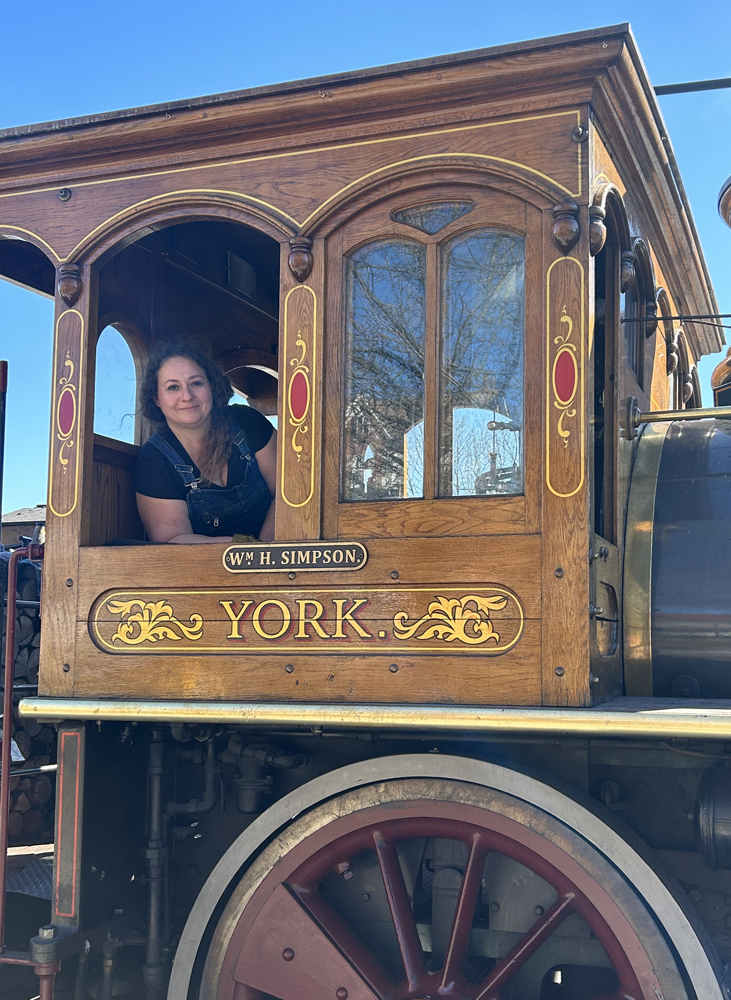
x=64 y=61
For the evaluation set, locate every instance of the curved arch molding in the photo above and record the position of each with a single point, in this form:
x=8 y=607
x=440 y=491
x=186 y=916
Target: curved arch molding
x=512 y=140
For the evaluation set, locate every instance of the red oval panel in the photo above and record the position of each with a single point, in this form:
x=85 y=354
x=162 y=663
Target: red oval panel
x=299 y=396
x=564 y=376
x=66 y=411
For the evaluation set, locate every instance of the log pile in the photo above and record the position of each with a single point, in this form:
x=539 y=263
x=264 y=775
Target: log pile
x=32 y=795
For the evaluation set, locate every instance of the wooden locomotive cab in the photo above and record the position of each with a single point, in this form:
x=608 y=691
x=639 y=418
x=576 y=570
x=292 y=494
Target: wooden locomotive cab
x=422 y=271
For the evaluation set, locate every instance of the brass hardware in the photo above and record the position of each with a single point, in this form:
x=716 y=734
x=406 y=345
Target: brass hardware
x=603 y=553
x=664 y=718
x=635 y=418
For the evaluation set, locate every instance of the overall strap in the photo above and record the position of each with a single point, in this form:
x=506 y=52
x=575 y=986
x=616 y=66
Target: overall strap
x=184 y=471
x=242 y=444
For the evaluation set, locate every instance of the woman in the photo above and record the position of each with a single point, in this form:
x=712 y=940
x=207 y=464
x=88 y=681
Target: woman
x=209 y=471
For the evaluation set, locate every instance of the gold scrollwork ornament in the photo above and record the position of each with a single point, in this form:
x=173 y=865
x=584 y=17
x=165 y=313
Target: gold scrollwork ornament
x=154 y=621
x=465 y=619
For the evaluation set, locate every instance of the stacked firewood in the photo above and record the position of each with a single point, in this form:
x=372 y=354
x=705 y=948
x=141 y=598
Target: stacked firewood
x=27 y=629
x=32 y=794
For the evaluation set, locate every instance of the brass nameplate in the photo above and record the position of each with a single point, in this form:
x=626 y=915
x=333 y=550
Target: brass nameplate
x=286 y=557
x=486 y=621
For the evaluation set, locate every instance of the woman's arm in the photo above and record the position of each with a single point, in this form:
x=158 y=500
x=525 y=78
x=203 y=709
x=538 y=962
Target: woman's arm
x=267 y=461
x=168 y=521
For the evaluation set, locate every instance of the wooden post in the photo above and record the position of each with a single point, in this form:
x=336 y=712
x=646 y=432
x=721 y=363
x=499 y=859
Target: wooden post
x=69 y=473
x=565 y=661
x=299 y=478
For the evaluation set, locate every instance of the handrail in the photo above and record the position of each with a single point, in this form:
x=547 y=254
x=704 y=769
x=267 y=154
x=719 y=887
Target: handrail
x=33 y=552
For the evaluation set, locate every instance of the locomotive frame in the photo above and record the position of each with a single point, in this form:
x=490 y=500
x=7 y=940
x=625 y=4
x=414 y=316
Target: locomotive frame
x=511 y=628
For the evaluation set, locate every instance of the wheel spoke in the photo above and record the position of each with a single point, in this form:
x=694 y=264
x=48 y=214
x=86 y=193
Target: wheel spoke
x=492 y=985
x=464 y=914
x=401 y=913
x=348 y=942
x=288 y=955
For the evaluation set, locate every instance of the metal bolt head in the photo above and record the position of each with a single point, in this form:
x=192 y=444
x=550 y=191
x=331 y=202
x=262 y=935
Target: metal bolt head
x=64 y=194
x=580 y=134
x=47 y=932
x=494 y=907
x=558 y=572
x=394 y=668
x=365 y=897
x=341 y=993
x=394 y=574
x=291 y=576
x=289 y=668
x=559 y=671
x=538 y=910
x=66 y=667
x=69 y=582
x=287 y=954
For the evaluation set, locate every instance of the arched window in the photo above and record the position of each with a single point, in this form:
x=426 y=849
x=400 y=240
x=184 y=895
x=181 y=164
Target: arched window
x=479 y=340
x=115 y=394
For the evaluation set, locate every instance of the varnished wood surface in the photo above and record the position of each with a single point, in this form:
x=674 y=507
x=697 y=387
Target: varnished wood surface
x=451 y=568
x=113 y=507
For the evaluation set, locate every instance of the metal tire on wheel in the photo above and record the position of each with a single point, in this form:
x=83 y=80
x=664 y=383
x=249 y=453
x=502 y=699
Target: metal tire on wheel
x=414 y=888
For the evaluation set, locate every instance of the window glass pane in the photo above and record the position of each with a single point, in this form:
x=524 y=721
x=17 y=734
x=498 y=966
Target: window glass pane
x=431 y=218
x=481 y=388
x=115 y=393
x=384 y=372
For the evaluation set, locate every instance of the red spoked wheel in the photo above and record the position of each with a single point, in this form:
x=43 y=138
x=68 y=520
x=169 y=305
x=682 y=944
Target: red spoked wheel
x=417 y=889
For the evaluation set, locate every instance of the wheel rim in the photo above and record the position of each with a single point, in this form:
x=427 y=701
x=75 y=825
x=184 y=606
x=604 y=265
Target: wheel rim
x=289 y=931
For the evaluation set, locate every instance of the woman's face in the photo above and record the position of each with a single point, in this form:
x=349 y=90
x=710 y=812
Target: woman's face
x=184 y=394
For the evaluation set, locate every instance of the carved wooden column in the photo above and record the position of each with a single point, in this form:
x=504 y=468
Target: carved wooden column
x=69 y=471
x=299 y=471
x=565 y=544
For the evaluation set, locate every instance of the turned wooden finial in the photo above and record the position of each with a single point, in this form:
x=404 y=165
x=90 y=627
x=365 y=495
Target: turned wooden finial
x=597 y=229
x=69 y=283
x=566 y=229
x=650 y=317
x=627 y=270
x=300 y=258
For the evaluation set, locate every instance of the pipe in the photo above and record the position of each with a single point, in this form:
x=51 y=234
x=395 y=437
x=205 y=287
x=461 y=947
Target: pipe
x=31 y=552
x=196 y=807
x=153 y=972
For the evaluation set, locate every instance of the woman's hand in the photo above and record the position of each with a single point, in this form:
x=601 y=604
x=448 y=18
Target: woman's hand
x=168 y=521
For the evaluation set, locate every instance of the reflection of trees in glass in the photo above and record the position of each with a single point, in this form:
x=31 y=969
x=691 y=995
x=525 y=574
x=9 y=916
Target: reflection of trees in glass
x=482 y=364
x=384 y=374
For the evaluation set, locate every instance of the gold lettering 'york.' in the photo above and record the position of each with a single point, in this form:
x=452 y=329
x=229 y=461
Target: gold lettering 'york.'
x=308 y=619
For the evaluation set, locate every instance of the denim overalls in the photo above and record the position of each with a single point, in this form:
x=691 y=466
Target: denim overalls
x=222 y=510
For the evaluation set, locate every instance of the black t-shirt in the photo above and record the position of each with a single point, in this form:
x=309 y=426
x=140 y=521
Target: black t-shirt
x=155 y=476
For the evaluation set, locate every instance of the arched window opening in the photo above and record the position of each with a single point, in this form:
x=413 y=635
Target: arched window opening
x=479 y=342
x=115 y=393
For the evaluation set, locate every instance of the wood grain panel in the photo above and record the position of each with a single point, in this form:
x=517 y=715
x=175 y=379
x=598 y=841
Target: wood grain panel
x=511 y=679
x=113 y=507
x=509 y=560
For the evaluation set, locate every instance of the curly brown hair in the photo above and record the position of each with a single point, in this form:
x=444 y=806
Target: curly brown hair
x=221 y=432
